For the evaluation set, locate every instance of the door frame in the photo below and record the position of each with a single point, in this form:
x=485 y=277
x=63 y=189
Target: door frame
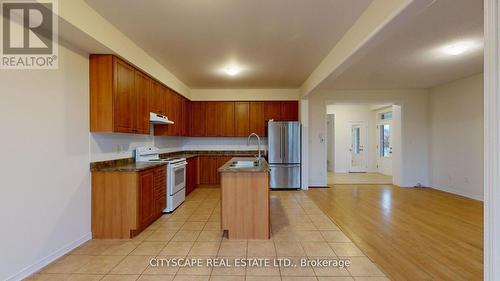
x=365 y=147
x=491 y=140
x=379 y=140
x=330 y=142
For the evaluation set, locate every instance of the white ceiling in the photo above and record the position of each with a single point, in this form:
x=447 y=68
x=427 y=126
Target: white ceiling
x=411 y=57
x=278 y=42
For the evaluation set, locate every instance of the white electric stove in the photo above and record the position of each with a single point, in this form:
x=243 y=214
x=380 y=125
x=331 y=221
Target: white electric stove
x=176 y=174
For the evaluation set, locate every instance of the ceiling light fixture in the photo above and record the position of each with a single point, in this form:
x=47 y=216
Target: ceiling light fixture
x=232 y=70
x=458 y=48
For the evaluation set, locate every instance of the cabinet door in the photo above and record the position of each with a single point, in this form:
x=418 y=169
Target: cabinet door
x=212 y=119
x=184 y=118
x=272 y=110
x=242 y=119
x=257 y=120
x=191 y=171
x=198 y=115
x=226 y=119
x=290 y=111
x=160 y=182
x=142 y=92
x=167 y=106
x=156 y=98
x=208 y=170
x=187 y=125
x=124 y=113
x=146 y=198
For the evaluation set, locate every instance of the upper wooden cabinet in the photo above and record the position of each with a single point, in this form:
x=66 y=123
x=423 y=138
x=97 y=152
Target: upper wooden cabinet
x=289 y=111
x=157 y=98
x=122 y=96
x=242 y=119
x=119 y=96
x=237 y=119
x=226 y=119
x=142 y=94
x=198 y=114
x=272 y=111
x=212 y=119
x=257 y=119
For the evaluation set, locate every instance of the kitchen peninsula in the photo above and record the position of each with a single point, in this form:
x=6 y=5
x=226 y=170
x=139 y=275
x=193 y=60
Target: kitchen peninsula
x=245 y=198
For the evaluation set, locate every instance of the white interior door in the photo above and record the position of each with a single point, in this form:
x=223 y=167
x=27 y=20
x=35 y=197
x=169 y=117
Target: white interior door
x=358 y=149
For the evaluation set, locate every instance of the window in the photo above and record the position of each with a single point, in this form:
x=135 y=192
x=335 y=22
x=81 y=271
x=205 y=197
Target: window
x=386 y=115
x=385 y=146
x=356 y=140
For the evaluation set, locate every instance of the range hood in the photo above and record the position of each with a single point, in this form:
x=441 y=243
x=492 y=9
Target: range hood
x=159 y=119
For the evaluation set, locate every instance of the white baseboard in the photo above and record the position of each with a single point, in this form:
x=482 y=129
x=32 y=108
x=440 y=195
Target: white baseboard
x=317 y=183
x=36 y=266
x=461 y=193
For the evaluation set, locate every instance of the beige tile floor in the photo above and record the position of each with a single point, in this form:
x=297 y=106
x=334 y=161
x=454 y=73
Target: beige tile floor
x=358 y=178
x=299 y=230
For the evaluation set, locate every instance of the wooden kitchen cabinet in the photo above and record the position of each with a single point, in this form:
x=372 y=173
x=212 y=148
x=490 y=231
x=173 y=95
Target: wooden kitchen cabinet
x=142 y=87
x=157 y=102
x=198 y=115
x=208 y=170
x=212 y=119
x=226 y=119
x=289 y=111
x=272 y=110
x=122 y=96
x=147 y=198
x=125 y=203
x=242 y=119
x=191 y=174
x=257 y=119
x=117 y=104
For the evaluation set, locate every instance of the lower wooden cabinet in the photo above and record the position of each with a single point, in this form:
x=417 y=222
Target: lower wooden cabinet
x=208 y=170
x=208 y=166
x=125 y=203
x=191 y=174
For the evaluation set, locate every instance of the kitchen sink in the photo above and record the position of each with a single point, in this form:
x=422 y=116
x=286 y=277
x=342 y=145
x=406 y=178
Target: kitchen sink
x=244 y=164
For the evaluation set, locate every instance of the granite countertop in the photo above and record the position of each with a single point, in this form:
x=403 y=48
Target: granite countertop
x=195 y=153
x=129 y=164
x=128 y=167
x=226 y=168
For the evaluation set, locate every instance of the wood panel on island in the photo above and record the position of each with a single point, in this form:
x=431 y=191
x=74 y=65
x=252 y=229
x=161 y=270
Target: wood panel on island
x=122 y=96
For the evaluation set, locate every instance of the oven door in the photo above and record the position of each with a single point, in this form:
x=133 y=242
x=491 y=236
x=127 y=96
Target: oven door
x=178 y=178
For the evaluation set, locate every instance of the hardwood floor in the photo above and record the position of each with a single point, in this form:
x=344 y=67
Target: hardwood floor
x=413 y=234
x=358 y=178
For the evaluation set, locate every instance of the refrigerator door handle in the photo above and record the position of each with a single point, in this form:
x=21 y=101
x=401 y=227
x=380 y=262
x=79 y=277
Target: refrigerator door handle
x=281 y=143
x=285 y=143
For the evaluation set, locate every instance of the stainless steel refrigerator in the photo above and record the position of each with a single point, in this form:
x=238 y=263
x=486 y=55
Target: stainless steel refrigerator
x=284 y=154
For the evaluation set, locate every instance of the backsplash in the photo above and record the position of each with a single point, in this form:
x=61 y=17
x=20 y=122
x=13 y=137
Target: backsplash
x=223 y=144
x=111 y=146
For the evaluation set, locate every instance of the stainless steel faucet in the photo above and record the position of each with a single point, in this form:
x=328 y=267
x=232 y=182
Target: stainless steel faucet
x=258 y=144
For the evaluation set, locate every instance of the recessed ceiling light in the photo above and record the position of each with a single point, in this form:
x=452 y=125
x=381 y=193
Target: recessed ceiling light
x=458 y=48
x=232 y=70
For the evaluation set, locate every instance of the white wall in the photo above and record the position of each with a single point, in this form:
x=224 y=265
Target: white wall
x=344 y=116
x=45 y=201
x=456 y=147
x=413 y=148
